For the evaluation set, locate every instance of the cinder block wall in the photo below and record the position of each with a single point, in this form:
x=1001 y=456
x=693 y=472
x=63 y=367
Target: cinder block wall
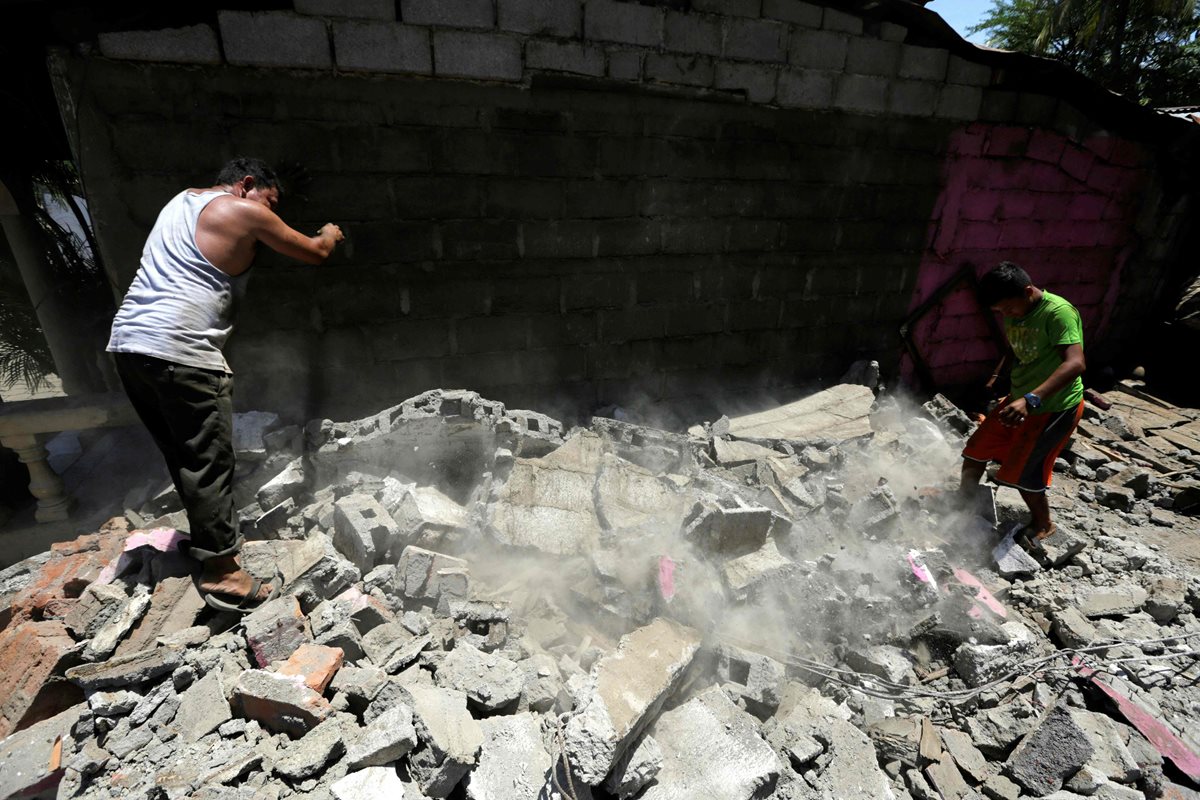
x=558 y=203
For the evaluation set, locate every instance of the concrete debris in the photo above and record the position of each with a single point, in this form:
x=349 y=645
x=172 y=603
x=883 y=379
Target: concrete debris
x=624 y=691
x=711 y=749
x=783 y=605
x=1051 y=753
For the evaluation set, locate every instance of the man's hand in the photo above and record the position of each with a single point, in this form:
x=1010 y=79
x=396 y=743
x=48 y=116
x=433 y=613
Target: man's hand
x=1015 y=412
x=329 y=230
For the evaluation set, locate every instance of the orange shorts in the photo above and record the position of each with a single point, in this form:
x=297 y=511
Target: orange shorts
x=1025 y=452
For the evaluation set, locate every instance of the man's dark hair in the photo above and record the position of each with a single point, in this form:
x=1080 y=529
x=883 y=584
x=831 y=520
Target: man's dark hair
x=1004 y=282
x=256 y=168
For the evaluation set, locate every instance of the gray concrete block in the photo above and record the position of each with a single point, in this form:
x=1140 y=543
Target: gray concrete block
x=195 y=44
x=758 y=82
x=636 y=769
x=490 y=681
x=202 y=709
x=382 y=47
x=625 y=65
x=363 y=529
x=757 y=677
x=274 y=39
x=968 y=73
x=960 y=102
x=137 y=667
x=796 y=11
x=923 y=63
x=733 y=8
x=513 y=760
x=891 y=32
x=1011 y=559
x=805 y=88
x=386 y=738
x=609 y=21
x=1113 y=601
x=697 y=739
x=1052 y=752
x=541 y=17
x=573 y=57
x=686 y=70
x=476 y=55
x=913 y=98
x=872 y=57
x=275 y=629
x=418 y=572
x=357 y=9
x=756 y=40
x=863 y=93
x=458 y=14
x=308 y=756
x=450 y=738
x=818 y=50
x=994 y=730
x=692 y=33
x=624 y=689
x=834 y=20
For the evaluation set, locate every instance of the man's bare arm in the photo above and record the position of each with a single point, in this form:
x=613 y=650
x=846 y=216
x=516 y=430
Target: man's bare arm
x=268 y=228
x=1072 y=367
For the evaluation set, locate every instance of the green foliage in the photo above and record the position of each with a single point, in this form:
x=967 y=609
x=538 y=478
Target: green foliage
x=24 y=355
x=1147 y=50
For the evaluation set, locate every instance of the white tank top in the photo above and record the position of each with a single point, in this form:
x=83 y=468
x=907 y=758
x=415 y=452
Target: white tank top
x=179 y=307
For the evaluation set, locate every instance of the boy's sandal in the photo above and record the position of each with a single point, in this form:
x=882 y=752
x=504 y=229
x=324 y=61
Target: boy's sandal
x=251 y=601
x=1029 y=538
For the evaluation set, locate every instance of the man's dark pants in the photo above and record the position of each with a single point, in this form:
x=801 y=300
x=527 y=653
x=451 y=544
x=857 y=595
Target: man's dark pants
x=189 y=412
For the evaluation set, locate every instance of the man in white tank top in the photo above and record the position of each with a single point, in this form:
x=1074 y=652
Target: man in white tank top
x=167 y=340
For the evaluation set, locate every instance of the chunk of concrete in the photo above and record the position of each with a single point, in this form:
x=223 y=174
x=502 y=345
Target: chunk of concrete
x=625 y=689
x=636 y=769
x=978 y=664
x=728 y=526
x=31 y=768
x=1059 y=548
x=1113 y=601
x=275 y=629
x=490 y=681
x=202 y=709
x=450 y=739
x=125 y=670
x=757 y=678
x=175 y=605
x=105 y=640
x=874 y=512
x=425 y=516
x=1011 y=559
x=371 y=783
x=834 y=415
x=388 y=737
x=711 y=750
x=995 y=730
x=883 y=660
x=749 y=575
x=1072 y=629
x=99 y=603
x=966 y=754
x=425 y=575
x=287 y=485
x=513 y=760
x=1110 y=757
x=312 y=752
x=281 y=703
x=1050 y=754
x=363 y=530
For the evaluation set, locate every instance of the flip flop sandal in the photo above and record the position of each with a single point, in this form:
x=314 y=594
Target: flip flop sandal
x=1026 y=538
x=250 y=602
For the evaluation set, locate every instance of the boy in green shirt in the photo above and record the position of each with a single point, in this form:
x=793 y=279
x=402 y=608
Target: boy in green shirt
x=1030 y=427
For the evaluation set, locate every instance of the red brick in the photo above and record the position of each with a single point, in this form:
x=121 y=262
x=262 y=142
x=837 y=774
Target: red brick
x=30 y=654
x=316 y=663
x=60 y=581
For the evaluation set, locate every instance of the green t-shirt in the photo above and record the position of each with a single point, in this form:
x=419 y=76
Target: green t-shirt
x=1036 y=338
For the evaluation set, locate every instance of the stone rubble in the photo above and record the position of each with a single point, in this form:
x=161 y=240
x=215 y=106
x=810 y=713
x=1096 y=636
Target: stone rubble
x=482 y=604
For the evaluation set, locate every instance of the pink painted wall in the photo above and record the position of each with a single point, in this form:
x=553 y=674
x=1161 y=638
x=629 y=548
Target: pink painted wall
x=1062 y=210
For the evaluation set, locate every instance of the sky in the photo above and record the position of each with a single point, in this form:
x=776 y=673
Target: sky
x=962 y=15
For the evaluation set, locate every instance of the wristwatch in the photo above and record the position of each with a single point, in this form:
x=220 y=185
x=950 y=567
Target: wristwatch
x=1033 y=400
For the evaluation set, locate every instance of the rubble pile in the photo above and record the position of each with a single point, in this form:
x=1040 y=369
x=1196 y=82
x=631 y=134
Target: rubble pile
x=480 y=604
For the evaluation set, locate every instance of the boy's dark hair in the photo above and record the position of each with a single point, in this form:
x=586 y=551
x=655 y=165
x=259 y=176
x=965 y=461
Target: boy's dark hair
x=1004 y=282
x=256 y=168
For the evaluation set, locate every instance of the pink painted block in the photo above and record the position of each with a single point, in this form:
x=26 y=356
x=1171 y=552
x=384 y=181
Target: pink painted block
x=979 y=205
x=1102 y=146
x=1021 y=233
x=977 y=236
x=1112 y=179
x=960 y=303
x=1006 y=140
x=969 y=142
x=1077 y=163
x=1114 y=234
x=1046 y=146
x=1087 y=206
x=1051 y=206
x=981 y=592
x=1018 y=205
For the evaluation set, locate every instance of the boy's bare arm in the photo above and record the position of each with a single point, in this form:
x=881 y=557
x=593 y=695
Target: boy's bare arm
x=272 y=231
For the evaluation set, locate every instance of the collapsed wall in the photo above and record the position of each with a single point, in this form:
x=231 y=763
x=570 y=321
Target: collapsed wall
x=481 y=604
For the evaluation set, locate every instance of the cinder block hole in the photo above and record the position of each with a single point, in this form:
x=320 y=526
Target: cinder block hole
x=369 y=513
x=739 y=671
x=532 y=424
x=452 y=408
x=637 y=440
x=479 y=627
